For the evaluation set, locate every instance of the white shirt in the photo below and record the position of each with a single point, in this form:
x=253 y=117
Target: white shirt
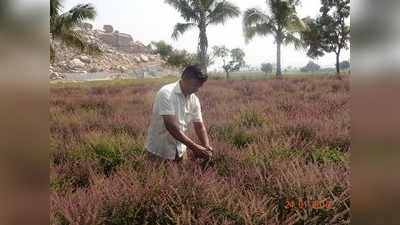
x=171 y=101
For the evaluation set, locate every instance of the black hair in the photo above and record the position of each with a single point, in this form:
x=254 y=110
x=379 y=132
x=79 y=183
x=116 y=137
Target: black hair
x=194 y=72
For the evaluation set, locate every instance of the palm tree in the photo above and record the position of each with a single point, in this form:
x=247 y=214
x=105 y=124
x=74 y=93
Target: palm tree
x=202 y=13
x=61 y=25
x=282 y=22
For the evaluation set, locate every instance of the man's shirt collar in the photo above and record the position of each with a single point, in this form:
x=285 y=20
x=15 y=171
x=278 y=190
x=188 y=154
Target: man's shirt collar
x=178 y=89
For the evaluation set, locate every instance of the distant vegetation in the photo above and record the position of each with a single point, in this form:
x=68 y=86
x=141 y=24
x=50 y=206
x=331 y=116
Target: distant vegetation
x=310 y=67
x=266 y=68
x=345 y=65
x=233 y=59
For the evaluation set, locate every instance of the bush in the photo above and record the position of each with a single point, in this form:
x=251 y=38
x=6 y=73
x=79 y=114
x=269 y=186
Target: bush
x=242 y=139
x=328 y=155
x=250 y=118
x=106 y=152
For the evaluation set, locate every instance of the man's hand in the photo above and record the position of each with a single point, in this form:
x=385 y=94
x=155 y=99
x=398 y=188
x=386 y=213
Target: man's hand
x=202 y=152
x=210 y=150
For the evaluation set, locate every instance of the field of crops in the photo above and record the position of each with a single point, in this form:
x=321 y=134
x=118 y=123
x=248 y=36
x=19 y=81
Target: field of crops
x=282 y=155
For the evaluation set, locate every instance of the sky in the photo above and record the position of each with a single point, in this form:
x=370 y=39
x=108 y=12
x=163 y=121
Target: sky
x=154 y=20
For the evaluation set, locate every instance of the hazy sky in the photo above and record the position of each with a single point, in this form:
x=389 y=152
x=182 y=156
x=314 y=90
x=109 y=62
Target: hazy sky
x=153 y=20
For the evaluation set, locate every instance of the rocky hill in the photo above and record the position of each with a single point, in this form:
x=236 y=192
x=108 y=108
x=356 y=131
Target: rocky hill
x=120 y=57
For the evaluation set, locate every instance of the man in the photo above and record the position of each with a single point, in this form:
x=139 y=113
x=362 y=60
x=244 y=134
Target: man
x=175 y=107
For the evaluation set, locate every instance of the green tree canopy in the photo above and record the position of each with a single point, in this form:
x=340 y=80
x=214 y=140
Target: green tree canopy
x=310 y=67
x=329 y=31
x=344 y=65
x=266 y=68
x=162 y=48
x=233 y=59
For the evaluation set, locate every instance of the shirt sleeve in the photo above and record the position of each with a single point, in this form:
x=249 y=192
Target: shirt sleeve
x=165 y=105
x=196 y=114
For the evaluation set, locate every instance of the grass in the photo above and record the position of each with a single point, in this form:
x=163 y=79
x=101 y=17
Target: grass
x=275 y=141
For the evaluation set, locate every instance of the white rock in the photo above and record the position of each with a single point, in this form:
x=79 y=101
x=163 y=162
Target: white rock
x=137 y=59
x=84 y=59
x=54 y=76
x=76 y=63
x=144 y=58
x=122 y=69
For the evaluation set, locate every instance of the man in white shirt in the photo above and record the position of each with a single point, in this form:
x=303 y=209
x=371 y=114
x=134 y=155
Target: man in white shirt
x=175 y=107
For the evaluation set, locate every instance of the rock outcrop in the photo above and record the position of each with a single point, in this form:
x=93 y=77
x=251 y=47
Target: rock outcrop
x=119 y=54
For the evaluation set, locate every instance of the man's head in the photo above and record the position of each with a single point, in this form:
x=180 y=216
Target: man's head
x=192 y=79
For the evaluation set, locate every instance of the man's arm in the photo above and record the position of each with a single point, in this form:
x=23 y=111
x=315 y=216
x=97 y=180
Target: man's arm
x=172 y=126
x=202 y=134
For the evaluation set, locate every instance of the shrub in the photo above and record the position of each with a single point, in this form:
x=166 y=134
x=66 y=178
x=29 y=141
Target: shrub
x=106 y=152
x=250 y=118
x=328 y=155
x=242 y=139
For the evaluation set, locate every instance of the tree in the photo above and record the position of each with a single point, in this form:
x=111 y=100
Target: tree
x=162 y=48
x=312 y=38
x=282 y=23
x=174 y=57
x=310 y=67
x=266 y=68
x=179 y=58
x=233 y=59
x=200 y=14
x=335 y=32
x=329 y=32
x=62 y=25
x=344 y=65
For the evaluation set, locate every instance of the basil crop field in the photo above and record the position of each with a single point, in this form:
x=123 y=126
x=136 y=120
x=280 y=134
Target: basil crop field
x=282 y=154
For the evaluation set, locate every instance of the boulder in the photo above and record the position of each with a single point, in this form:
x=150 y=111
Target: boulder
x=108 y=28
x=107 y=38
x=54 y=75
x=123 y=40
x=76 y=63
x=85 y=59
x=122 y=69
x=144 y=58
x=93 y=69
x=137 y=59
x=87 y=26
x=118 y=40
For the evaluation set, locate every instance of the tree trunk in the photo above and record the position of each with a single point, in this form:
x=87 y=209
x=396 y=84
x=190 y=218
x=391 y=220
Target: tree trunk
x=203 y=45
x=52 y=50
x=278 y=59
x=227 y=75
x=338 y=63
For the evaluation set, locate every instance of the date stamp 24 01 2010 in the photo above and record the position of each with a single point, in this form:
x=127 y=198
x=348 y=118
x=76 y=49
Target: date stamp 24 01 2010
x=301 y=203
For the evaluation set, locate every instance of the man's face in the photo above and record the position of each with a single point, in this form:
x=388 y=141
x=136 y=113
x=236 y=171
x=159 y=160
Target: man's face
x=193 y=85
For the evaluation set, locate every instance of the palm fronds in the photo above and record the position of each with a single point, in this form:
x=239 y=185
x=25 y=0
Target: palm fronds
x=62 y=26
x=181 y=28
